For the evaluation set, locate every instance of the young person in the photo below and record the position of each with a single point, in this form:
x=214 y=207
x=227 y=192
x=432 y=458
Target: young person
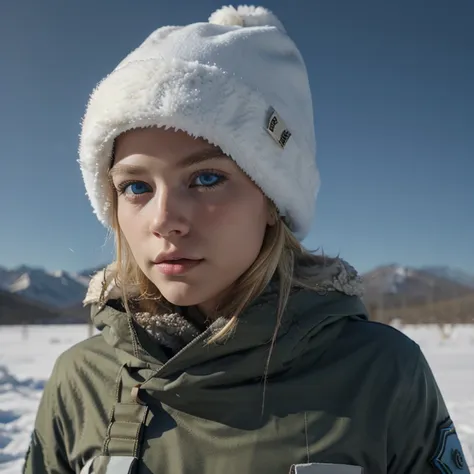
x=225 y=346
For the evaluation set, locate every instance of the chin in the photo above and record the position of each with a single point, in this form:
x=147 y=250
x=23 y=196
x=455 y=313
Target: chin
x=181 y=293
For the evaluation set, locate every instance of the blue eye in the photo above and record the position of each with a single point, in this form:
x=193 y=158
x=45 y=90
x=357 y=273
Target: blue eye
x=135 y=188
x=208 y=180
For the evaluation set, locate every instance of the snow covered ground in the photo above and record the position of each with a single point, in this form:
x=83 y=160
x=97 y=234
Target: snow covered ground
x=26 y=360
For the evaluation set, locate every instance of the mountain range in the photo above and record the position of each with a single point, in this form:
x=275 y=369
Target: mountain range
x=395 y=285
x=36 y=295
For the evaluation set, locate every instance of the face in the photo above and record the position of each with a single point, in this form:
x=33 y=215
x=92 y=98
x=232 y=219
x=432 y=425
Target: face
x=193 y=220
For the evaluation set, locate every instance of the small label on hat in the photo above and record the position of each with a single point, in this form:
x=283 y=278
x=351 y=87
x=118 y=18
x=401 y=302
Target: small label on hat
x=277 y=129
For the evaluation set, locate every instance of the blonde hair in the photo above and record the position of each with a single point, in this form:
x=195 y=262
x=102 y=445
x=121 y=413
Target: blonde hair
x=281 y=254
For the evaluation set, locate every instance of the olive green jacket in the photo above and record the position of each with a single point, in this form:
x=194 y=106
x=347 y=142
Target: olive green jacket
x=340 y=391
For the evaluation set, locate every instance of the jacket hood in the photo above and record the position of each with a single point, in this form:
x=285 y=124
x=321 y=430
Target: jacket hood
x=311 y=321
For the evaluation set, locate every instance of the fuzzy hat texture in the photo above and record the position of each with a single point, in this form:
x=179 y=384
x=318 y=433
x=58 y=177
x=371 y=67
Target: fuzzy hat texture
x=238 y=81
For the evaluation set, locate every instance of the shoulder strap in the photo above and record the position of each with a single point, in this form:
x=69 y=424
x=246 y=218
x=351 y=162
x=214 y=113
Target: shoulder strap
x=123 y=440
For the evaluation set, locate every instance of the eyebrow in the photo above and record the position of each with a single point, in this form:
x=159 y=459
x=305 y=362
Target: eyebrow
x=192 y=159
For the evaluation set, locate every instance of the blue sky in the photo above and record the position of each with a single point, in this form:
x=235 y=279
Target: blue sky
x=394 y=118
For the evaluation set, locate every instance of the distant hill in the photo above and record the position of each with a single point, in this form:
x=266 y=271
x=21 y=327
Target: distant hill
x=459 y=310
x=77 y=314
x=395 y=286
x=36 y=296
x=452 y=274
x=57 y=289
x=16 y=310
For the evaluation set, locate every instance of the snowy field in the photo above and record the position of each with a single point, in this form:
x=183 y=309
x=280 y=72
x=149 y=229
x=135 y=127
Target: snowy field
x=26 y=360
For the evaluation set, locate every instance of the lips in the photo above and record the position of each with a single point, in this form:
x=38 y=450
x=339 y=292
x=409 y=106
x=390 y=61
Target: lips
x=171 y=257
x=177 y=266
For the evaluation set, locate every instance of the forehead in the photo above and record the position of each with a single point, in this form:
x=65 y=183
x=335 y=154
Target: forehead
x=160 y=142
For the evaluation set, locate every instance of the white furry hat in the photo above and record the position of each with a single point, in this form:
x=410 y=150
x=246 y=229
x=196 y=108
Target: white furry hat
x=238 y=81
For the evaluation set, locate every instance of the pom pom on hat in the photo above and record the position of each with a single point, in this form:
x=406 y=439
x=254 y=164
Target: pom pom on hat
x=245 y=15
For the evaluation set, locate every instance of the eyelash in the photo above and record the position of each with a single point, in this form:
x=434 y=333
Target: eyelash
x=123 y=186
x=221 y=179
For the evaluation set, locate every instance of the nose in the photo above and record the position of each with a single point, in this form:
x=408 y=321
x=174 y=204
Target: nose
x=169 y=213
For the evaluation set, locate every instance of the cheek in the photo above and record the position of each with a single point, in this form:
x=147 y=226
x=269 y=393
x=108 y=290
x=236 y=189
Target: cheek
x=131 y=225
x=125 y=220
x=237 y=221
